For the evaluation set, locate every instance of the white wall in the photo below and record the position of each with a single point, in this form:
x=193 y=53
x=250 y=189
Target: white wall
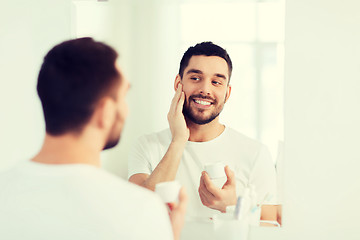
x=27 y=31
x=322 y=116
x=148 y=39
x=133 y=27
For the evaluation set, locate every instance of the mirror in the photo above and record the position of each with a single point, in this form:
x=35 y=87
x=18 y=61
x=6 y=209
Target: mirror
x=322 y=73
x=159 y=32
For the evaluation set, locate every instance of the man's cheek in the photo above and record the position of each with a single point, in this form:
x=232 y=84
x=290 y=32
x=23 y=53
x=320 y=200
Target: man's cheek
x=186 y=102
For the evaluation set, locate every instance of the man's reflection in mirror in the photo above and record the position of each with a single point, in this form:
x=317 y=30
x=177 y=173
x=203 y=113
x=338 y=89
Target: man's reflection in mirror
x=196 y=138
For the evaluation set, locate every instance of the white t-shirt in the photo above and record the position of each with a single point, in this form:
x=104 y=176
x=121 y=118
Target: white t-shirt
x=77 y=201
x=249 y=159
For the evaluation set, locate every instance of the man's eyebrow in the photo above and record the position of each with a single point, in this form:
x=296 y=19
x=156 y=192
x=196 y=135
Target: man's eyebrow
x=194 y=71
x=219 y=75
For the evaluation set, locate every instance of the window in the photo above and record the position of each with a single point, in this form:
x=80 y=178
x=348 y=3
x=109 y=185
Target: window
x=253 y=34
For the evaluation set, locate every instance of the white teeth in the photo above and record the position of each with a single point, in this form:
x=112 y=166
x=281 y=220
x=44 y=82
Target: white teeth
x=202 y=102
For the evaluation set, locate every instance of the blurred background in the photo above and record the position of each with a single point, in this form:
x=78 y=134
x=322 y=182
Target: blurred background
x=151 y=37
x=306 y=73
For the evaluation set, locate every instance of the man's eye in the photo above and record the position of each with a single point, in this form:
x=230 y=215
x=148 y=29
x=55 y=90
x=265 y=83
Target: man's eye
x=216 y=83
x=195 y=78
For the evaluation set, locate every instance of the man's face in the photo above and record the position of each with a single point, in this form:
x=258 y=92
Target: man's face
x=121 y=113
x=205 y=83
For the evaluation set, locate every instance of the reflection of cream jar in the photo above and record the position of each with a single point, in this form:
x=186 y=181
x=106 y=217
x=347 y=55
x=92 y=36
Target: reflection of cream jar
x=168 y=191
x=216 y=173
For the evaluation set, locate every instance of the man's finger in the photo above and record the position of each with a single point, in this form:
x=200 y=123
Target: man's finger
x=176 y=98
x=204 y=199
x=180 y=103
x=202 y=184
x=203 y=190
x=209 y=185
x=230 y=177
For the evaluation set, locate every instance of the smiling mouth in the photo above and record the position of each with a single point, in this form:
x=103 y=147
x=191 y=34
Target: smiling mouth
x=202 y=102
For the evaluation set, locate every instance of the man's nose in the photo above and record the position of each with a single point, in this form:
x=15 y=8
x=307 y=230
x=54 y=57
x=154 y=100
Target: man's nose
x=205 y=87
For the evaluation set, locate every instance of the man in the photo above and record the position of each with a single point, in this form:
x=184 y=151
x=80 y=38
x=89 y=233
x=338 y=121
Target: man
x=62 y=193
x=196 y=137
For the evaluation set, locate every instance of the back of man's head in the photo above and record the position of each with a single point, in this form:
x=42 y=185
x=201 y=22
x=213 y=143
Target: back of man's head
x=206 y=49
x=74 y=75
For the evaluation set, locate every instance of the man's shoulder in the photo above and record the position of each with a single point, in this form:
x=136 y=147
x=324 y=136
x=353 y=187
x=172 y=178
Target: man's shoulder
x=237 y=137
x=165 y=133
x=162 y=137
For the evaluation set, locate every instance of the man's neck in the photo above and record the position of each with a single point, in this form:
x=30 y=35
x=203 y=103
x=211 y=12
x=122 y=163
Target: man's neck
x=67 y=149
x=206 y=132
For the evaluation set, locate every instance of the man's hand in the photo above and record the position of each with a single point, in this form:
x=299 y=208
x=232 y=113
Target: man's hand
x=177 y=213
x=216 y=198
x=179 y=130
x=168 y=166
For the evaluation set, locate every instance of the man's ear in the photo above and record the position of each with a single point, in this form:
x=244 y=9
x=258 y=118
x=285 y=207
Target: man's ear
x=177 y=81
x=105 y=113
x=228 y=92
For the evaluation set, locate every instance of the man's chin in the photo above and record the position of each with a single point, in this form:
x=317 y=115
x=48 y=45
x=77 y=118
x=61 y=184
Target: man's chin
x=201 y=120
x=200 y=116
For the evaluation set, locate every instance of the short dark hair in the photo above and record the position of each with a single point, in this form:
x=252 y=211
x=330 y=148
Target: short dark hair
x=75 y=74
x=207 y=49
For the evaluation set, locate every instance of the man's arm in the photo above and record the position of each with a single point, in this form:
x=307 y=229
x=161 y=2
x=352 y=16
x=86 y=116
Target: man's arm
x=269 y=212
x=264 y=177
x=164 y=171
x=167 y=168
